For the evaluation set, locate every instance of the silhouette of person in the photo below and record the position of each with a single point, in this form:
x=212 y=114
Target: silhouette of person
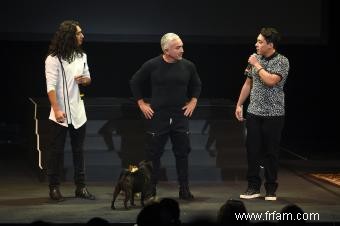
x=228 y=212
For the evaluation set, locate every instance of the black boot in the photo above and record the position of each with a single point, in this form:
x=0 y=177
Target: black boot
x=83 y=193
x=184 y=193
x=55 y=194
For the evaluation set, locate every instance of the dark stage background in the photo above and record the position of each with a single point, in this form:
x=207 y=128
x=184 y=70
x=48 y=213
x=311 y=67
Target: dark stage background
x=218 y=37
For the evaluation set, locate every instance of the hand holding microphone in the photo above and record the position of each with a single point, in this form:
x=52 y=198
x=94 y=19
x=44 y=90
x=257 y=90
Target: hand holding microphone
x=252 y=60
x=81 y=79
x=248 y=69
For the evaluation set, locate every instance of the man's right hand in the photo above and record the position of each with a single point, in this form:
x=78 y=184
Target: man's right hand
x=60 y=116
x=145 y=108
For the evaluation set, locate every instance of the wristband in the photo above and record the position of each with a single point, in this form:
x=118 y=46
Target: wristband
x=258 y=71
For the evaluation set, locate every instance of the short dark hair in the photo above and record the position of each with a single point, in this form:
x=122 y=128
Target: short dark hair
x=271 y=35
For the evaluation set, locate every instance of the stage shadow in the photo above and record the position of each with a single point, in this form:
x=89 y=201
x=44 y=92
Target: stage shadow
x=25 y=201
x=39 y=201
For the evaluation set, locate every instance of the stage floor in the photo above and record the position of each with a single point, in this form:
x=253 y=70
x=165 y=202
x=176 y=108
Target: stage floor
x=24 y=199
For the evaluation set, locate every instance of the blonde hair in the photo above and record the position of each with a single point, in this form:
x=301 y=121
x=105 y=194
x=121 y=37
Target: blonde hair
x=168 y=37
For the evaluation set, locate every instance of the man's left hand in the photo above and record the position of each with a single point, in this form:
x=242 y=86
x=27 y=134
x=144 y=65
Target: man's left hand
x=82 y=80
x=190 y=107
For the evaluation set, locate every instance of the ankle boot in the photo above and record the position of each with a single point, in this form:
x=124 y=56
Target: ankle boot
x=184 y=193
x=55 y=194
x=83 y=193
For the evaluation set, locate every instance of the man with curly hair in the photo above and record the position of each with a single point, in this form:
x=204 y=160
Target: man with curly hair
x=66 y=69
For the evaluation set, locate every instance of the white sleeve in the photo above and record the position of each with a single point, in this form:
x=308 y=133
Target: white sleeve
x=86 y=70
x=51 y=72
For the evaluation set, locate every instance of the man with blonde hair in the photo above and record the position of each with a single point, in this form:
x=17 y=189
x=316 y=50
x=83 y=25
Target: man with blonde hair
x=176 y=87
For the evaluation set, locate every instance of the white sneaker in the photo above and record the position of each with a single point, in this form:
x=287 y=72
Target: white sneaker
x=270 y=197
x=250 y=194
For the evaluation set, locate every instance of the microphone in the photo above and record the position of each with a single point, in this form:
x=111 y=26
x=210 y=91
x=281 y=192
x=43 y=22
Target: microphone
x=81 y=87
x=248 y=69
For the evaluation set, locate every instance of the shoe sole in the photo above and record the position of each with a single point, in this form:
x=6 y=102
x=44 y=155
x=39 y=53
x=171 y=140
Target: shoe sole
x=57 y=200
x=85 y=198
x=186 y=198
x=270 y=198
x=250 y=196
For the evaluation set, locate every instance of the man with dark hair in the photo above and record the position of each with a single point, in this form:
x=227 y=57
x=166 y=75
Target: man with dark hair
x=266 y=73
x=66 y=69
x=176 y=87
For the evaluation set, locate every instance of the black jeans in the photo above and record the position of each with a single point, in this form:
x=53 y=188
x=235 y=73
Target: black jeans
x=263 y=146
x=55 y=153
x=167 y=123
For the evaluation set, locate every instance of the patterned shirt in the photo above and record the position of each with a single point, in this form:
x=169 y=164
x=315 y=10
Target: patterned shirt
x=266 y=100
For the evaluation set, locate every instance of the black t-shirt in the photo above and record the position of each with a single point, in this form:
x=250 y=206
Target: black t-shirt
x=172 y=84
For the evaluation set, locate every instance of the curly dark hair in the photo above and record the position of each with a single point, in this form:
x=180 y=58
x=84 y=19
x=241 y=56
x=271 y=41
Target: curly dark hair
x=64 y=43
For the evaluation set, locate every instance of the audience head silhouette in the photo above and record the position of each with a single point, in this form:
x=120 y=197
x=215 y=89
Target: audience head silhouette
x=149 y=215
x=96 y=221
x=229 y=210
x=169 y=212
x=292 y=215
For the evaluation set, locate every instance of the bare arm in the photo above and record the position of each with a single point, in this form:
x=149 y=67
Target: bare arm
x=245 y=91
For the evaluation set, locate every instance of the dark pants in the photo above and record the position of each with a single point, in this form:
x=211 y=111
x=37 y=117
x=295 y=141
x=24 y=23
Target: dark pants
x=263 y=146
x=164 y=124
x=55 y=155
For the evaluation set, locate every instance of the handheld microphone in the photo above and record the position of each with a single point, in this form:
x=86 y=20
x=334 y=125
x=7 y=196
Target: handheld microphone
x=81 y=87
x=248 y=69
